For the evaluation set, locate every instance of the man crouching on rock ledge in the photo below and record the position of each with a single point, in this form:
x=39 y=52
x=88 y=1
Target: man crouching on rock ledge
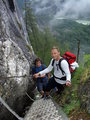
x=58 y=80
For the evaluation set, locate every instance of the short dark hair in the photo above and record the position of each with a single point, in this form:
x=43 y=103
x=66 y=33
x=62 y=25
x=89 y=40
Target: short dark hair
x=37 y=60
x=55 y=47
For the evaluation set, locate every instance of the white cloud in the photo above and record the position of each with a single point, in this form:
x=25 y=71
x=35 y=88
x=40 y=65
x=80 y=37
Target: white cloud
x=74 y=8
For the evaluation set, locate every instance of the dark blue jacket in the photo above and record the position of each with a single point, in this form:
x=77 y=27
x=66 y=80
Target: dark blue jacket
x=38 y=69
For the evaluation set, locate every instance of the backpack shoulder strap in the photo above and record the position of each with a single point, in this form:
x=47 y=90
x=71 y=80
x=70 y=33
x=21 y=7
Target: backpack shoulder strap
x=60 y=65
x=53 y=62
x=43 y=66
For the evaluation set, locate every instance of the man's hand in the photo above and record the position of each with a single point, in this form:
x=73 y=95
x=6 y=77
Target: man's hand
x=68 y=83
x=36 y=75
x=42 y=76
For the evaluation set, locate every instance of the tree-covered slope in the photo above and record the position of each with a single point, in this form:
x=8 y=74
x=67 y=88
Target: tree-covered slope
x=68 y=31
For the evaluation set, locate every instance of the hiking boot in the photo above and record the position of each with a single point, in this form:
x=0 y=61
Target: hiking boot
x=47 y=97
x=42 y=96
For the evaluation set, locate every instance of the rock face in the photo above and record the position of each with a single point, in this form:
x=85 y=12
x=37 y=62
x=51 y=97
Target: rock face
x=15 y=59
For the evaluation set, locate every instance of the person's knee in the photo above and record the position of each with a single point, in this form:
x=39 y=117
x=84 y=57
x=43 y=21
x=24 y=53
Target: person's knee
x=42 y=92
x=61 y=89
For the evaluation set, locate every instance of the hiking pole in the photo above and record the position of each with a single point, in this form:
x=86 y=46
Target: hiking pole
x=10 y=110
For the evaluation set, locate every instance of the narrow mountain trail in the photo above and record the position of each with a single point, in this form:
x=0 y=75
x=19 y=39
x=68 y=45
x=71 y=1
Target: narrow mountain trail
x=45 y=109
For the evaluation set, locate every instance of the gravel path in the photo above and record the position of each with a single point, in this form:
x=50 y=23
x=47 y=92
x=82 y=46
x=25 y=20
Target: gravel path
x=44 y=109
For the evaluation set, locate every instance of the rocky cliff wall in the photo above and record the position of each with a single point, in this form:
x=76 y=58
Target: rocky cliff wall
x=15 y=59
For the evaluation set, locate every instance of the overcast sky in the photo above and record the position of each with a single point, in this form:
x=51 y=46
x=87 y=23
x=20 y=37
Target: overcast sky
x=70 y=8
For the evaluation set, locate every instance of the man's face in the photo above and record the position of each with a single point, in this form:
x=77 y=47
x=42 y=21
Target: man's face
x=55 y=54
x=38 y=63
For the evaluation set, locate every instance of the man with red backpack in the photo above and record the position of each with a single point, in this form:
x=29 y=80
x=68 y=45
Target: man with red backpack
x=63 y=66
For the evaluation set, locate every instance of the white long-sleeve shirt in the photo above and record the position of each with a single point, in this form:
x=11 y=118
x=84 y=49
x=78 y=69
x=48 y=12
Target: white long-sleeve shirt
x=57 y=72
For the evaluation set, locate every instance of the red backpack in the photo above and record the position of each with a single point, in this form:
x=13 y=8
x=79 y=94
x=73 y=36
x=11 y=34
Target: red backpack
x=70 y=58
